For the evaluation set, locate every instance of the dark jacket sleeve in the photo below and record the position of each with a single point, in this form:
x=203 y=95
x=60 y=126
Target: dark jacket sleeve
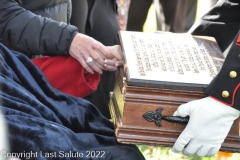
x=32 y=34
x=221 y=22
x=225 y=86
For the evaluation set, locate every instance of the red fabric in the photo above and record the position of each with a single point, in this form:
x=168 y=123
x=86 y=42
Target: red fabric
x=67 y=75
x=238 y=40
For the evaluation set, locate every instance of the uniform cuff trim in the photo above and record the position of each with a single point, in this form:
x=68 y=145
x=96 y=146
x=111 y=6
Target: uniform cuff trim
x=233 y=97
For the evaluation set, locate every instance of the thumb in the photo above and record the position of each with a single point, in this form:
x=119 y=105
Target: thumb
x=183 y=110
x=186 y=109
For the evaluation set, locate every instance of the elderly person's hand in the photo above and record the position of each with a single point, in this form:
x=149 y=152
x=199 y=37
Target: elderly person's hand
x=89 y=52
x=94 y=56
x=116 y=61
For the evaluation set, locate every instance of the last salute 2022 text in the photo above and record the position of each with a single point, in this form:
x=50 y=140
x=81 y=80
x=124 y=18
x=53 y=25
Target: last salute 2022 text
x=72 y=154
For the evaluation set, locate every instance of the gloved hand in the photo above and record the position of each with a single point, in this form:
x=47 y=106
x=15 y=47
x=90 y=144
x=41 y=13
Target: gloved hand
x=208 y=126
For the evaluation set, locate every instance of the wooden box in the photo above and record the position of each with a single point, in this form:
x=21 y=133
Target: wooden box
x=129 y=103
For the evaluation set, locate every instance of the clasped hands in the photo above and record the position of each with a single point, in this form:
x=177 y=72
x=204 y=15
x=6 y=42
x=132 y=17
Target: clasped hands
x=94 y=56
x=208 y=126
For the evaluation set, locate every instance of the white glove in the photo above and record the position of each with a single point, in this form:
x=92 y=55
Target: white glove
x=208 y=126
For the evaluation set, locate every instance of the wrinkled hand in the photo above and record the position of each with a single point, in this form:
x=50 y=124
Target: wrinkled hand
x=208 y=126
x=116 y=61
x=104 y=58
x=83 y=47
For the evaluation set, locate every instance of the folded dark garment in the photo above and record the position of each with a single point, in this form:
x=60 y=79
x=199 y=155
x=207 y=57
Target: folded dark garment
x=45 y=123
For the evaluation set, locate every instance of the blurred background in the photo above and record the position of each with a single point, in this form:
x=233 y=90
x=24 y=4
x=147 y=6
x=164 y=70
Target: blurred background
x=192 y=9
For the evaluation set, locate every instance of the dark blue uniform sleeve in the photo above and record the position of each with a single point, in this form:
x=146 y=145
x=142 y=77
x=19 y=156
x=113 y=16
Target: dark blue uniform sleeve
x=225 y=86
x=222 y=22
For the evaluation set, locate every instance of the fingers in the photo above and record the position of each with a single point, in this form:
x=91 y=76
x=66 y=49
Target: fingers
x=102 y=50
x=191 y=148
x=110 y=68
x=85 y=65
x=181 y=142
x=120 y=63
x=90 y=66
x=198 y=150
x=95 y=66
x=195 y=149
x=116 y=52
x=82 y=48
x=97 y=57
x=203 y=151
x=213 y=151
x=112 y=64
